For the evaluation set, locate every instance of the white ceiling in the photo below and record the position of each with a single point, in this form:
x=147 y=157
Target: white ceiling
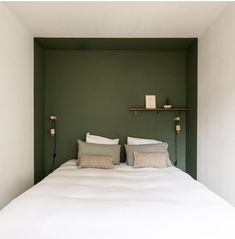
x=116 y=19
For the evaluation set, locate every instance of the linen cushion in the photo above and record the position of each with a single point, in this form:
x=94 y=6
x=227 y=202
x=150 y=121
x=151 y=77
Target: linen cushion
x=112 y=150
x=155 y=160
x=151 y=148
x=95 y=161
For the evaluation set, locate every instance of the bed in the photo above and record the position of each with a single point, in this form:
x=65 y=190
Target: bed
x=119 y=203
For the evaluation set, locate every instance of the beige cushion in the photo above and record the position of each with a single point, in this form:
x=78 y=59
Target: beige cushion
x=112 y=150
x=95 y=161
x=147 y=148
x=155 y=160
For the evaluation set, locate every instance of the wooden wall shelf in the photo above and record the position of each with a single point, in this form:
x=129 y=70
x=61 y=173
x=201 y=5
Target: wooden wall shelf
x=135 y=109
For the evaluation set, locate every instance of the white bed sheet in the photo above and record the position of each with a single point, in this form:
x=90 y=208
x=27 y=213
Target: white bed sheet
x=122 y=203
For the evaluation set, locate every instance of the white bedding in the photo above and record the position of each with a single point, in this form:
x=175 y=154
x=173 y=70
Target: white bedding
x=119 y=203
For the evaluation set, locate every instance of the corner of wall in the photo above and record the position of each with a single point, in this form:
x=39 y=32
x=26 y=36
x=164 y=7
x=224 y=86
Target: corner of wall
x=191 y=123
x=16 y=103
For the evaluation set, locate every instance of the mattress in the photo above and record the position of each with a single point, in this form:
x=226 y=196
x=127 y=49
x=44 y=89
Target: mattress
x=119 y=203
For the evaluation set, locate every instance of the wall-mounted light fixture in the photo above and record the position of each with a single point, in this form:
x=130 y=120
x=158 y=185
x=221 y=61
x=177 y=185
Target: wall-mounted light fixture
x=177 y=131
x=53 y=119
x=177 y=124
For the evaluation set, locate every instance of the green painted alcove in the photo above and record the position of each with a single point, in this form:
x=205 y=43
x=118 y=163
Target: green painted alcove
x=91 y=83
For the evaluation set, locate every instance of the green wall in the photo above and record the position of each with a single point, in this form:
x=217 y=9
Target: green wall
x=91 y=91
x=39 y=118
x=191 y=89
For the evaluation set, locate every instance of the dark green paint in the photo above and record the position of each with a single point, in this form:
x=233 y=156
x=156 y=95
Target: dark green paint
x=191 y=143
x=115 y=43
x=92 y=90
x=38 y=113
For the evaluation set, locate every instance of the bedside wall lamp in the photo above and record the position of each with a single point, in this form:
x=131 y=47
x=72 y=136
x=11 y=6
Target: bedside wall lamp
x=177 y=131
x=177 y=124
x=53 y=119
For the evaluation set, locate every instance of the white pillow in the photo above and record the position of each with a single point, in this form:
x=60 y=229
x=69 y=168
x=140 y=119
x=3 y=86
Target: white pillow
x=95 y=139
x=138 y=141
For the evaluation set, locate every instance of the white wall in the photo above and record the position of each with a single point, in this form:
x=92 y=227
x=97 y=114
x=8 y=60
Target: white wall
x=16 y=107
x=216 y=106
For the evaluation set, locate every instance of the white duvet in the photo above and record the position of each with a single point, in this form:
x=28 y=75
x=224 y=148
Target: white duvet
x=119 y=203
